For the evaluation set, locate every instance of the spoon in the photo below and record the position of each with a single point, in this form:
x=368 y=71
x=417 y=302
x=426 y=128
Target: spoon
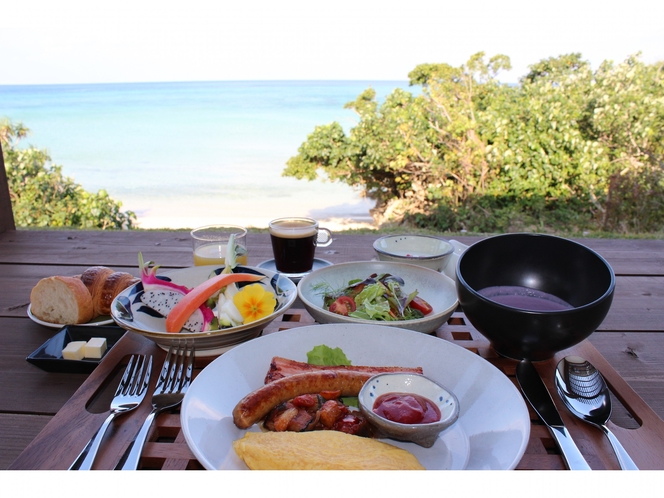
x=584 y=391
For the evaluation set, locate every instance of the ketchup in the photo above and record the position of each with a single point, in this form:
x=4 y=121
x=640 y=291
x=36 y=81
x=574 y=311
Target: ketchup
x=406 y=408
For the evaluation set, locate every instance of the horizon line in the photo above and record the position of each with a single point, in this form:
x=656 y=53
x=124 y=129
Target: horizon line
x=293 y=80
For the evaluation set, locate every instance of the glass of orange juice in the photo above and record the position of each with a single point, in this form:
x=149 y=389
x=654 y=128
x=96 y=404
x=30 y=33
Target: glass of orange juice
x=210 y=243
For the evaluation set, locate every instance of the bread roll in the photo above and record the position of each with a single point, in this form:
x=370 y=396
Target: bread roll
x=61 y=300
x=94 y=278
x=104 y=284
x=115 y=283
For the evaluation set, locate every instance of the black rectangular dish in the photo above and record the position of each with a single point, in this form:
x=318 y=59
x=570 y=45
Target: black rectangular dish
x=48 y=356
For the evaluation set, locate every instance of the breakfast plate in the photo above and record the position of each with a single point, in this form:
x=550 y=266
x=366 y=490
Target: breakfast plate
x=491 y=432
x=95 y=322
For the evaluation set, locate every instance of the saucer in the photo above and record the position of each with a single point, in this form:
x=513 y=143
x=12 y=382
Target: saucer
x=295 y=277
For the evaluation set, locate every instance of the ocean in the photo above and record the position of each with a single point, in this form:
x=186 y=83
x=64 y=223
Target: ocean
x=187 y=154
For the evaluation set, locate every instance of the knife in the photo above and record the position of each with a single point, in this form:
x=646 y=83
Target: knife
x=539 y=398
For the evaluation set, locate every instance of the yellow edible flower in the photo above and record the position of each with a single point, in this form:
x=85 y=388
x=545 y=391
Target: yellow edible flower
x=254 y=302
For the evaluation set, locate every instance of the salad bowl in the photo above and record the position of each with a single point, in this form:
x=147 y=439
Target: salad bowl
x=129 y=312
x=437 y=289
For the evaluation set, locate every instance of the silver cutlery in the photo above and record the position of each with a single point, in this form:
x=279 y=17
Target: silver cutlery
x=584 y=391
x=129 y=394
x=174 y=380
x=539 y=398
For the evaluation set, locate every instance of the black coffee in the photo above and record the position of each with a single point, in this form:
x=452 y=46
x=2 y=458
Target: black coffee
x=293 y=246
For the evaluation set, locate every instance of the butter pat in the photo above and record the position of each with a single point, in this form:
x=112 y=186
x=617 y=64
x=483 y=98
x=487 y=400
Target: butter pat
x=95 y=348
x=75 y=350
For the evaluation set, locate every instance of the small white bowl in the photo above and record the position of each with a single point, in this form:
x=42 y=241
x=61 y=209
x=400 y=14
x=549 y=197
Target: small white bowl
x=422 y=250
x=435 y=288
x=423 y=434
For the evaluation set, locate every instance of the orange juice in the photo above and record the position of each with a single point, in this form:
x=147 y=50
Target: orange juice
x=215 y=254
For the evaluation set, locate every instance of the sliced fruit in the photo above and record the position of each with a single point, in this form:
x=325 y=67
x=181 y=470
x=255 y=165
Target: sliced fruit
x=191 y=301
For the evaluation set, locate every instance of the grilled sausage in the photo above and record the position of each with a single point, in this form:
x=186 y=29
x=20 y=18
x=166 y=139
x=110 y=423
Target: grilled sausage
x=258 y=403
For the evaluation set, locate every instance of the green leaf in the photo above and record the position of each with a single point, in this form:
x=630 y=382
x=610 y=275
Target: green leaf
x=325 y=355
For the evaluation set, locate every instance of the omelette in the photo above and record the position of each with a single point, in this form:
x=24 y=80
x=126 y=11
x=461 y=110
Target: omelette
x=320 y=450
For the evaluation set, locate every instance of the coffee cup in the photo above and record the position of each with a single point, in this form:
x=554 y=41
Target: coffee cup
x=210 y=244
x=294 y=242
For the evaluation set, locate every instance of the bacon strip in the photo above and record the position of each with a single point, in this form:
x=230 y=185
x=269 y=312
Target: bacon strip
x=283 y=367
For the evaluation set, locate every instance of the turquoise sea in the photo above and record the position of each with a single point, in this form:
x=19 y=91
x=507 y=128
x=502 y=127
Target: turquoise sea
x=184 y=154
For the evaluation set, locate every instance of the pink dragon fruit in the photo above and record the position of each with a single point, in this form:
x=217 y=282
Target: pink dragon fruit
x=161 y=295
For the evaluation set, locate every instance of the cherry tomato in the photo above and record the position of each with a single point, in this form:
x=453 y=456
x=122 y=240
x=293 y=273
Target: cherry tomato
x=421 y=305
x=343 y=305
x=328 y=395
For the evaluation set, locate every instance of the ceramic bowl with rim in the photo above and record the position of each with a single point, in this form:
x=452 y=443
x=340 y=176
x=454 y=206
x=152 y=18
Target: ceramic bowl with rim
x=532 y=295
x=422 y=250
x=129 y=312
x=434 y=287
x=406 y=383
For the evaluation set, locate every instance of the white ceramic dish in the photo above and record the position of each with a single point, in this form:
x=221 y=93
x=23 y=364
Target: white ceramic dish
x=491 y=432
x=422 y=250
x=397 y=382
x=95 y=322
x=129 y=312
x=434 y=287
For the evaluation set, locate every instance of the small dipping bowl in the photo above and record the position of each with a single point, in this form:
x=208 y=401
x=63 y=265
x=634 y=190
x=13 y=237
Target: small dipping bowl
x=422 y=250
x=423 y=434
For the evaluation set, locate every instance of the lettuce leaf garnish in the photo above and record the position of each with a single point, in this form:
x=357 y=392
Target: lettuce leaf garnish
x=325 y=355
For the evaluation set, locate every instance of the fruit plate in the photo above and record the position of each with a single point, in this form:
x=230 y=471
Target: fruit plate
x=129 y=312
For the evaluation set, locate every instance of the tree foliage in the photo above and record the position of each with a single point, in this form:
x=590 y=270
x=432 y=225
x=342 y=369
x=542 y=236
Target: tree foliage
x=43 y=197
x=566 y=146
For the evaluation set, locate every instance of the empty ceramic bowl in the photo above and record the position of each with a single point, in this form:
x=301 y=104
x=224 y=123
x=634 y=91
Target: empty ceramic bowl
x=422 y=250
x=424 y=434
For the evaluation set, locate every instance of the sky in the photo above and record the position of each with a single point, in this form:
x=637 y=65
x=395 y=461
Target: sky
x=82 y=41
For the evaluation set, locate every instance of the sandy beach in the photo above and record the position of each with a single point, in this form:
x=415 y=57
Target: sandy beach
x=334 y=208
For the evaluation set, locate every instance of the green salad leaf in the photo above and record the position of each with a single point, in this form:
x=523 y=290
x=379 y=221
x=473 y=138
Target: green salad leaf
x=325 y=355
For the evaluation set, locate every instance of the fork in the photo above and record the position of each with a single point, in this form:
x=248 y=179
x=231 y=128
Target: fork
x=129 y=395
x=174 y=380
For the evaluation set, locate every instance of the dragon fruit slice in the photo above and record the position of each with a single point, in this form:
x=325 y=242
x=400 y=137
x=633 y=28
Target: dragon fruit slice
x=162 y=295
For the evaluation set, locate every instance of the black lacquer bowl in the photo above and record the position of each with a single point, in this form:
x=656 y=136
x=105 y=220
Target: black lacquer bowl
x=546 y=265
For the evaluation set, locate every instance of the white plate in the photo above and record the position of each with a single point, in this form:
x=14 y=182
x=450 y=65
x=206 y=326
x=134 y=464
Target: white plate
x=95 y=322
x=491 y=433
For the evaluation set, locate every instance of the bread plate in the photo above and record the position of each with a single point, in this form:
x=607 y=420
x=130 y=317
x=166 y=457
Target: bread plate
x=95 y=322
x=491 y=432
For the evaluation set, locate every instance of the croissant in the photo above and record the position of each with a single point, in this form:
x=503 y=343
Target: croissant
x=104 y=284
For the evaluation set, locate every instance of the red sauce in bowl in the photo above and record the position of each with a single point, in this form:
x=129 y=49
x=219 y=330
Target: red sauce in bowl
x=406 y=408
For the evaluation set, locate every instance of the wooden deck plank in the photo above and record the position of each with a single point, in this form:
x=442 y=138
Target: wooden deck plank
x=17 y=432
x=173 y=249
x=27 y=388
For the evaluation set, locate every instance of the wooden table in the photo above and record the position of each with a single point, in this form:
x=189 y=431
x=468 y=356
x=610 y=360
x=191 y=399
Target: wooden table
x=628 y=348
